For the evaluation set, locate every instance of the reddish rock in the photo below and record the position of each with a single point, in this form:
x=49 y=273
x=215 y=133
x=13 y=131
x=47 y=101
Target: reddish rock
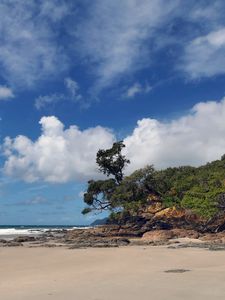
x=183 y=233
x=154 y=208
x=171 y=213
x=158 y=235
x=218 y=238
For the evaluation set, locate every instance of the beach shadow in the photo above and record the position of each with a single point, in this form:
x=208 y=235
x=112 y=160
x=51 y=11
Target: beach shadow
x=177 y=271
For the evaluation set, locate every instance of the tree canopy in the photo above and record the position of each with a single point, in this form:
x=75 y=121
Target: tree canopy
x=198 y=189
x=99 y=193
x=112 y=162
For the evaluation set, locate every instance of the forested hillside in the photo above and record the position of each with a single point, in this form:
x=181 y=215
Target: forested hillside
x=200 y=190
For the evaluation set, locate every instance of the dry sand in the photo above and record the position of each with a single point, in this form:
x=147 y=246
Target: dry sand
x=116 y=273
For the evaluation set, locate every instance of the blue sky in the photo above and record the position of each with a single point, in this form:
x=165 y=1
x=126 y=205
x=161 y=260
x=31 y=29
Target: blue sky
x=77 y=75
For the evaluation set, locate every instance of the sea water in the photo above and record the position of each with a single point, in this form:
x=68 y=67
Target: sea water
x=18 y=230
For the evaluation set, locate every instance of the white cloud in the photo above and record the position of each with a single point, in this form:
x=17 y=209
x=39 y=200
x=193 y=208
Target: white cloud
x=193 y=139
x=136 y=89
x=73 y=88
x=210 y=13
x=29 y=52
x=205 y=55
x=43 y=101
x=58 y=155
x=115 y=36
x=56 y=10
x=71 y=93
x=61 y=155
x=5 y=93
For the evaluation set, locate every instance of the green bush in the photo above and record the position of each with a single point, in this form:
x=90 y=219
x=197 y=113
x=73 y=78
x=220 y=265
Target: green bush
x=201 y=204
x=197 y=189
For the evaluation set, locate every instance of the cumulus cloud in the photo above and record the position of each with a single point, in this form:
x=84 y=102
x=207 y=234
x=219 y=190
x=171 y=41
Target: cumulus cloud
x=58 y=155
x=204 y=56
x=5 y=93
x=61 y=155
x=136 y=89
x=192 y=139
x=29 y=51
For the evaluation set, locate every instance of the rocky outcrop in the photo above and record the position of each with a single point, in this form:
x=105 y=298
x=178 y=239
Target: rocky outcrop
x=110 y=236
x=154 y=224
x=162 y=236
x=155 y=216
x=184 y=233
x=22 y=239
x=158 y=236
x=101 y=236
x=5 y=243
x=171 y=213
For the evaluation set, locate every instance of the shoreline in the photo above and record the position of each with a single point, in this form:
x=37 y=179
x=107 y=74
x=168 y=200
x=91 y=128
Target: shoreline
x=112 y=237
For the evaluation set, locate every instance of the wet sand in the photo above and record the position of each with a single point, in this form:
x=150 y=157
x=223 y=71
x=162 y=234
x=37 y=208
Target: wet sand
x=143 y=273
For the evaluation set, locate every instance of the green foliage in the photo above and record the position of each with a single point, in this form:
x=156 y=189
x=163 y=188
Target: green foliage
x=170 y=201
x=223 y=157
x=201 y=204
x=86 y=210
x=201 y=190
x=112 y=162
x=197 y=189
x=135 y=188
x=98 y=194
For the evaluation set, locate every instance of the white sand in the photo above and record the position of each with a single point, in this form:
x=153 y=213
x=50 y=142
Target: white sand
x=117 y=273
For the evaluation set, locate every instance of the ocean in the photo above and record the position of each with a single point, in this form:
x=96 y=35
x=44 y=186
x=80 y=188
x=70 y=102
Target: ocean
x=15 y=230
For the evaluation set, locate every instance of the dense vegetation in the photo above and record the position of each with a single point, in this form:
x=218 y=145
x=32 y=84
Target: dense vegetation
x=201 y=189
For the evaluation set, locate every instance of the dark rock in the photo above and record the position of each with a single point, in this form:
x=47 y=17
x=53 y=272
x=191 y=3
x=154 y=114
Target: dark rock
x=22 y=239
x=12 y=244
x=3 y=241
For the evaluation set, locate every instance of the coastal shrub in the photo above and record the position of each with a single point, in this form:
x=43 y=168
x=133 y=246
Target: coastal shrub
x=198 y=189
x=170 y=201
x=203 y=205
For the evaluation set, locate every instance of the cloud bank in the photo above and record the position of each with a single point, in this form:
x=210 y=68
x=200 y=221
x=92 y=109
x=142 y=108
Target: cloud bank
x=193 y=139
x=61 y=155
x=58 y=155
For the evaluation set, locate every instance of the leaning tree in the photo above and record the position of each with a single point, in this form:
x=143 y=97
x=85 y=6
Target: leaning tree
x=111 y=162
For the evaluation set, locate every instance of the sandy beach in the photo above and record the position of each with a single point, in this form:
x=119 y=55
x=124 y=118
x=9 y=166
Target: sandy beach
x=114 y=273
